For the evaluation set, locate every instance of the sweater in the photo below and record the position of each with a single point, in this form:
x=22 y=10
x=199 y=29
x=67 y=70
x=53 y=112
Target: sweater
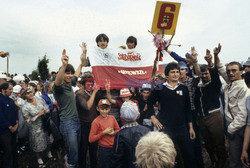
x=98 y=126
x=175 y=105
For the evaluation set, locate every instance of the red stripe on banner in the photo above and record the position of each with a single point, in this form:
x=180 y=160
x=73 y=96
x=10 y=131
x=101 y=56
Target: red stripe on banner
x=123 y=77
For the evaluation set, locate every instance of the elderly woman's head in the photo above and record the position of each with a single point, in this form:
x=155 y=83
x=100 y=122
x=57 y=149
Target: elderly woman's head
x=27 y=94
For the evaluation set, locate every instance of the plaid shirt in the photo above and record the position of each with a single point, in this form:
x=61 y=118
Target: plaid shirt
x=129 y=125
x=191 y=84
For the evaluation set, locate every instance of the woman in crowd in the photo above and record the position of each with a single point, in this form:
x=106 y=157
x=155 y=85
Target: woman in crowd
x=33 y=109
x=48 y=97
x=8 y=126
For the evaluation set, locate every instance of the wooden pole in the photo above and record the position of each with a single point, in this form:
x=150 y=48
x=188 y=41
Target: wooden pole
x=7 y=65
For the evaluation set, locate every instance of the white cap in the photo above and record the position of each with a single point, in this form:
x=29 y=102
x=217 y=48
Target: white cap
x=17 y=89
x=146 y=86
x=129 y=111
x=3 y=76
x=18 y=78
x=34 y=82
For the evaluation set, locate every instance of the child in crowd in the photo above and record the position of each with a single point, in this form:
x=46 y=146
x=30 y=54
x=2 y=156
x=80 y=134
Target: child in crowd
x=127 y=138
x=155 y=150
x=103 y=130
x=125 y=95
x=131 y=43
x=143 y=106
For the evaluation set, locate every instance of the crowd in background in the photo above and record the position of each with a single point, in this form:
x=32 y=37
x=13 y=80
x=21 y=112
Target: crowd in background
x=161 y=124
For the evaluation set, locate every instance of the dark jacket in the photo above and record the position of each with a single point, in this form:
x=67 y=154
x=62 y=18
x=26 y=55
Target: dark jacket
x=143 y=114
x=124 y=146
x=8 y=114
x=207 y=95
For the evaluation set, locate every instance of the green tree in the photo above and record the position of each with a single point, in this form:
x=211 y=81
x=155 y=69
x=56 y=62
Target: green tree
x=42 y=67
x=34 y=75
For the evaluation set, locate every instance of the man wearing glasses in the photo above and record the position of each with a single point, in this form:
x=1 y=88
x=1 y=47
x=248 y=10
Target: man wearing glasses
x=235 y=94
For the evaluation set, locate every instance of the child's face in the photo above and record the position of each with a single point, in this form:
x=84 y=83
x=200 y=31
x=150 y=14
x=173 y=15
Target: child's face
x=104 y=110
x=131 y=45
x=125 y=99
x=102 y=44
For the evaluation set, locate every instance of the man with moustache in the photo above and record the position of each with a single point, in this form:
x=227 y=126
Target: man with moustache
x=210 y=120
x=235 y=94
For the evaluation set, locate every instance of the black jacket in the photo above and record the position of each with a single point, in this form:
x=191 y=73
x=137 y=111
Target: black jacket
x=207 y=96
x=124 y=146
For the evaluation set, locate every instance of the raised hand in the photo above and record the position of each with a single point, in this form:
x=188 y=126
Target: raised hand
x=83 y=55
x=83 y=47
x=193 y=54
x=217 y=50
x=65 y=58
x=107 y=85
x=208 y=57
x=96 y=88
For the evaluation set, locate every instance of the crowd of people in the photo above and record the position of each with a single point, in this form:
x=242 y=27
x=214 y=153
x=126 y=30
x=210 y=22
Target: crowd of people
x=162 y=124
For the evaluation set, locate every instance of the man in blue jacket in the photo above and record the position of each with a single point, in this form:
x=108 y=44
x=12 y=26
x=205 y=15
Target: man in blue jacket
x=8 y=126
x=127 y=138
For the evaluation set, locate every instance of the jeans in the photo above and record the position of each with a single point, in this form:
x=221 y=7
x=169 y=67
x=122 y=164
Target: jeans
x=84 y=145
x=105 y=156
x=180 y=136
x=71 y=130
x=8 y=142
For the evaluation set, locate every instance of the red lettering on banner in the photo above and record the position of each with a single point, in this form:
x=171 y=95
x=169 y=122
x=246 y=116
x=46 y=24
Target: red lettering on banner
x=129 y=56
x=166 y=16
x=136 y=72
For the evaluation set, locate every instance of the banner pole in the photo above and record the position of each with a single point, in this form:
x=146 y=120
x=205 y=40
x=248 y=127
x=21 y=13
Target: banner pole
x=8 y=65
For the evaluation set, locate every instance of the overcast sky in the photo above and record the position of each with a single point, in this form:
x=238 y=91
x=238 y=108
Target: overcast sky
x=31 y=28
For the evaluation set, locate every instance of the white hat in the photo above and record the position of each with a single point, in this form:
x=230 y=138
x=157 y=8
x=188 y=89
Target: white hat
x=3 y=76
x=18 y=78
x=125 y=92
x=17 y=89
x=146 y=86
x=34 y=82
x=129 y=111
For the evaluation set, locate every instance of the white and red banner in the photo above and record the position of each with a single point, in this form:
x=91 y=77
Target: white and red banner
x=124 y=68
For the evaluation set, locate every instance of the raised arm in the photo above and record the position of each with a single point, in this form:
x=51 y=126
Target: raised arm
x=216 y=53
x=107 y=87
x=194 y=55
x=175 y=56
x=92 y=97
x=83 y=59
x=65 y=61
x=209 y=58
x=221 y=68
